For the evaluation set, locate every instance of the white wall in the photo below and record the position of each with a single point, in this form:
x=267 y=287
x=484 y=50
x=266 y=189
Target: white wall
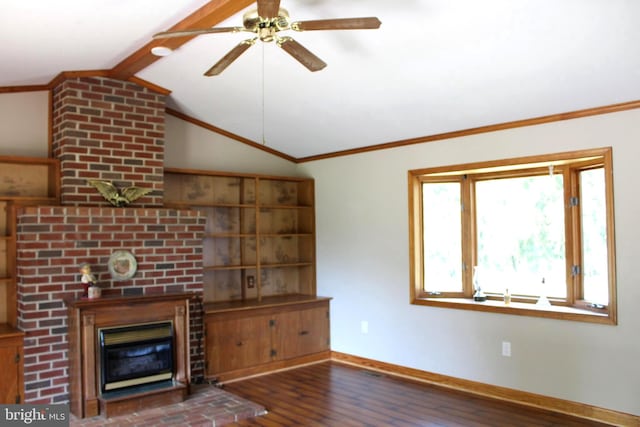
x=193 y=147
x=363 y=263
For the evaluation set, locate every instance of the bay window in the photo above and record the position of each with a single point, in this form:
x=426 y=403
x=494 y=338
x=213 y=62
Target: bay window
x=539 y=229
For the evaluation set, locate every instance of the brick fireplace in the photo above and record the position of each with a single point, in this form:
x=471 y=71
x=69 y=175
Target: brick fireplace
x=108 y=130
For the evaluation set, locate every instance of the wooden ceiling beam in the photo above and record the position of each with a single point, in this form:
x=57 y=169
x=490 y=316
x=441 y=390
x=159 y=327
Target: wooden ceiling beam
x=207 y=16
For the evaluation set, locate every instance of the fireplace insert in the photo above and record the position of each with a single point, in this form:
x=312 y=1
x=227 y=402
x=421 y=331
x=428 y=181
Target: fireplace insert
x=135 y=355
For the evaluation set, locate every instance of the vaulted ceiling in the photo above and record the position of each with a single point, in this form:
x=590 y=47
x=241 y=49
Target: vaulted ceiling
x=433 y=67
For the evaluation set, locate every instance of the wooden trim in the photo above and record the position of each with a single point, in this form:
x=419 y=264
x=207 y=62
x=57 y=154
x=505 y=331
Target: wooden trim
x=209 y=172
x=181 y=323
x=228 y=134
x=50 y=125
x=89 y=370
x=74 y=75
x=208 y=15
x=77 y=74
x=558 y=312
x=611 y=237
x=514 y=164
x=562 y=406
x=103 y=73
x=154 y=87
x=613 y=108
x=30 y=88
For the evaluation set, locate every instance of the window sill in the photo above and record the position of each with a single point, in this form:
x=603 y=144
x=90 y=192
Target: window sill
x=520 y=309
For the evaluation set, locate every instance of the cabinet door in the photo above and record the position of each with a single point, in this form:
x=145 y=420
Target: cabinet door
x=302 y=332
x=9 y=375
x=237 y=343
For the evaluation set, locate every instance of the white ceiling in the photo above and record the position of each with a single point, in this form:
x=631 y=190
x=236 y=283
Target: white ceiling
x=434 y=66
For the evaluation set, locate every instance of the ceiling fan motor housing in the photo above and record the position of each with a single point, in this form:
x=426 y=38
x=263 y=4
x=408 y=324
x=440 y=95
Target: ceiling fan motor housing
x=266 y=28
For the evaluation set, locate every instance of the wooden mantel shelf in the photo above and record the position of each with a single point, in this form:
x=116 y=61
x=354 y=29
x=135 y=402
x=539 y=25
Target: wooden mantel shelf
x=116 y=300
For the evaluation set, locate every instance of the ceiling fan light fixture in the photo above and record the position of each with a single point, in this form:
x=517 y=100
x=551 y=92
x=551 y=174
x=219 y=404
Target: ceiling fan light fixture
x=161 y=51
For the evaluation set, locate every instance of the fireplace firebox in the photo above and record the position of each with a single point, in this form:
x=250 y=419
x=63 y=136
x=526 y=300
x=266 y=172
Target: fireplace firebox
x=135 y=355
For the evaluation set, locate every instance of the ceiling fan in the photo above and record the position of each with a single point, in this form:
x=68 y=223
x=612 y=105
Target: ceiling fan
x=266 y=22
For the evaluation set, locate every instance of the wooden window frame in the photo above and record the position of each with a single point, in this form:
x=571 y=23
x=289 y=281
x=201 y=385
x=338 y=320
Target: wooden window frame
x=574 y=307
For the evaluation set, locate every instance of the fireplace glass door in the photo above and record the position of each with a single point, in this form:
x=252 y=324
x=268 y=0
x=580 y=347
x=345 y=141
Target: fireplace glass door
x=135 y=355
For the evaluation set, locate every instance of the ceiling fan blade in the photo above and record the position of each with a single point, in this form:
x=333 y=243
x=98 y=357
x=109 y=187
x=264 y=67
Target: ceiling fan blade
x=369 y=23
x=186 y=33
x=301 y=54
x=231 y=56
x=268 y=9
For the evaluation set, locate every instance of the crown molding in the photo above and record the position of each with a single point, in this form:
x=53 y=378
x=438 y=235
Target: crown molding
x=613 y=108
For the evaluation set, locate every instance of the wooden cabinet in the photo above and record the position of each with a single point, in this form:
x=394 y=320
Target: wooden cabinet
x=301 y=331
x=260 y=233
x=244 y=340
x=23 y=181
x=237 y=342
x=12 y=362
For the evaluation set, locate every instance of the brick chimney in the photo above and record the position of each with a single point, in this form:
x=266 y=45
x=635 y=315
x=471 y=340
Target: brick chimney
x=110 y=130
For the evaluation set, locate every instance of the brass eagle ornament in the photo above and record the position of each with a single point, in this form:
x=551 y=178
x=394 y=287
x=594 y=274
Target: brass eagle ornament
x=117 y=197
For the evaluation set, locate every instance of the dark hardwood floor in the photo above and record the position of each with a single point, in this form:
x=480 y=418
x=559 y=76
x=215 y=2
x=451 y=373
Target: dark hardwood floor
x=334 y=394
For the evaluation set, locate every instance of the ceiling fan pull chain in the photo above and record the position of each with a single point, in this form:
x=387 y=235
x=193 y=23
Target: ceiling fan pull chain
x=264 y=141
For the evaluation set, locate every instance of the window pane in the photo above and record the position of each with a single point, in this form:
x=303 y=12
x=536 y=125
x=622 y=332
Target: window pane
x=594 y=236
x=442 y=236
x=521 y=240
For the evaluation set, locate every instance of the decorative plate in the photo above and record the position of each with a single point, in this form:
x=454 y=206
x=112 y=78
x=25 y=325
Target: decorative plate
x=122 y=265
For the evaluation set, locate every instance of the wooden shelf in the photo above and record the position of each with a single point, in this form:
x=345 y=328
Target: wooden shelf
x=229 y=267
x=256 y=224
x=182 y=205
x=274 y=301
x=24 y=181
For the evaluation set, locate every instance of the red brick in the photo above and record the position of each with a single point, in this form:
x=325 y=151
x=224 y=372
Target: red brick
x=51 y=356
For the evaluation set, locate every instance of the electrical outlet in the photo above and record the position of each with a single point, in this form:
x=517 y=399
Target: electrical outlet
x=251 y=282
x=506 y=348
x=364 y=327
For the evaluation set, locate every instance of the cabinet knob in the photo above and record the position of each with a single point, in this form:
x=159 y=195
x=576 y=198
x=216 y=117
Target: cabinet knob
x=304 y=332
x=239 y=344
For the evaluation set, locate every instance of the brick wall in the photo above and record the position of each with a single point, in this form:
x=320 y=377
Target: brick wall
x=53 y=241
x=109 y=130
